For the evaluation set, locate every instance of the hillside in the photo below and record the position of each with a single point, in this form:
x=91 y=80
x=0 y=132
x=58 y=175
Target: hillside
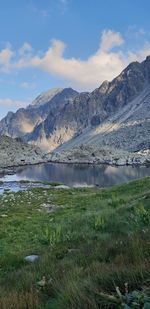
x=123 y=138
x=14 y=152
x=110 y=124
x=88 y=242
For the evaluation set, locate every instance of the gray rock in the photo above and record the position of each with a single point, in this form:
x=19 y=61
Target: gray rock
x=31 y=258
x=73 y=251
x=51 y=207
x=4 y=216
x=15 y=153
x=62 y=187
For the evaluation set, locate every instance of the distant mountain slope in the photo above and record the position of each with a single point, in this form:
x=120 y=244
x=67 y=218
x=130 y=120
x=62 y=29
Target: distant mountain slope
x=63 y=115
x=26 y=119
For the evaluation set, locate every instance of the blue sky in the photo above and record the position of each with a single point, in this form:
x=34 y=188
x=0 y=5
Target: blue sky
x=67 y=43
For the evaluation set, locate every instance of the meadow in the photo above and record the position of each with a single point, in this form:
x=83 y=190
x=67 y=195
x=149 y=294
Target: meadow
x=93 y=248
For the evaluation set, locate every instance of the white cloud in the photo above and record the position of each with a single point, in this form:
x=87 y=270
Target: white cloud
x=6 y=55
x=25 y=49
x=110 y=39
x=7 y=102
x=28 y=85
x=106 y=63
x=135 y=33
x=89 y=73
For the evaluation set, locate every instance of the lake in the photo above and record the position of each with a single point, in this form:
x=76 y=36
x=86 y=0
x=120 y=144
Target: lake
x=79 y=174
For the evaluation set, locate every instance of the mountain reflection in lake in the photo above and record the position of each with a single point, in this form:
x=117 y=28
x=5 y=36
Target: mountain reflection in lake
x=79 y=174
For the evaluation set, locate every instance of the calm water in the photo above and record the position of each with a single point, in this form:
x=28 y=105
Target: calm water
x=78 y=174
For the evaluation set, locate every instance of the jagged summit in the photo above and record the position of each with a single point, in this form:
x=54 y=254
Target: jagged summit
x=26 y=119
x=46 y=96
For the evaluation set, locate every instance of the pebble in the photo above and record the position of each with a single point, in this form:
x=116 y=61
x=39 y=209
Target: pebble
x=31 y=258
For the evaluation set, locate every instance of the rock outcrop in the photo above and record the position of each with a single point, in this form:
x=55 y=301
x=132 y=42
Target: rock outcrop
x=14 y=152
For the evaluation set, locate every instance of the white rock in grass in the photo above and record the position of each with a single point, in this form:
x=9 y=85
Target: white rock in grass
x=31 y=258
x=61 y=187
x=4 y=215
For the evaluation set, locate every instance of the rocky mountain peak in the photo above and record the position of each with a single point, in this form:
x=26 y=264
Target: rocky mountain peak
x=104 y=87
x=147 y=58
x=46 y=96
x=51 y=94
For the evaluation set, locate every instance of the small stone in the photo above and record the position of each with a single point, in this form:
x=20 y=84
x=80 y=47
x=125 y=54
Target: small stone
x=52 y=208
x=73 y=250
x=42 y=282
x=31 y=258
x=49 y=207
x=62 y=187
x=4 y=215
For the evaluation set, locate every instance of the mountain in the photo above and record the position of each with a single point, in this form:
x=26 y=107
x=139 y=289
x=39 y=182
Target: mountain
x=123 y=138
x=24 y=121
x=88 y=110
x=114 y=115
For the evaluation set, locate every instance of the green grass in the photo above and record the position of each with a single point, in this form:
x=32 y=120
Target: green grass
x=53 y=184
x=98 y=240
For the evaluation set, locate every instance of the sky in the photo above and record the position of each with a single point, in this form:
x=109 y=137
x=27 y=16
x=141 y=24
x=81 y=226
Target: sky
x=67 y=43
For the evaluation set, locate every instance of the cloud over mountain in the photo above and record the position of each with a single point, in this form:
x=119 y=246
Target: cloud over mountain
x=107 y=62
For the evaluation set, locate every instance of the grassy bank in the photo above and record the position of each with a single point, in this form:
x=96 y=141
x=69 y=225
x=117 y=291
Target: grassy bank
x=88 y=241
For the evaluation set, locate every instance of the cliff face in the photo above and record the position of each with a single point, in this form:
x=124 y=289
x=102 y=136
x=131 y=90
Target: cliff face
x=61 y=115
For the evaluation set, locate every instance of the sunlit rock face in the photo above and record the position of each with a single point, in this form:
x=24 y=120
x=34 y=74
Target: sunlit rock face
x=25 y=120
x=114 y=114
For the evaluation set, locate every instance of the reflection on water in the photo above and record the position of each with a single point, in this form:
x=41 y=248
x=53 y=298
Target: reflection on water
x=84 y=174
x=15 y=186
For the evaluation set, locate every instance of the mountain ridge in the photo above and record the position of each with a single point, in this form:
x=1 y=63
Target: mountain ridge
x=67 y=114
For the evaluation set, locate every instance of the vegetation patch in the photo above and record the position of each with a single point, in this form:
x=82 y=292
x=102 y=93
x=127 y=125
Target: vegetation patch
x=94 y=252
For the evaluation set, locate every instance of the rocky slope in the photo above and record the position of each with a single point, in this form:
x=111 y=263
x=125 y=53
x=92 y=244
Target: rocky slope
x=14 y=152
x=110 y=124
x=124 y=138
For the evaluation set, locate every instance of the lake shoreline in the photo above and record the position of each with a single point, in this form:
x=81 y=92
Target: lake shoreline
x=11 y=169
x=75 y=174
